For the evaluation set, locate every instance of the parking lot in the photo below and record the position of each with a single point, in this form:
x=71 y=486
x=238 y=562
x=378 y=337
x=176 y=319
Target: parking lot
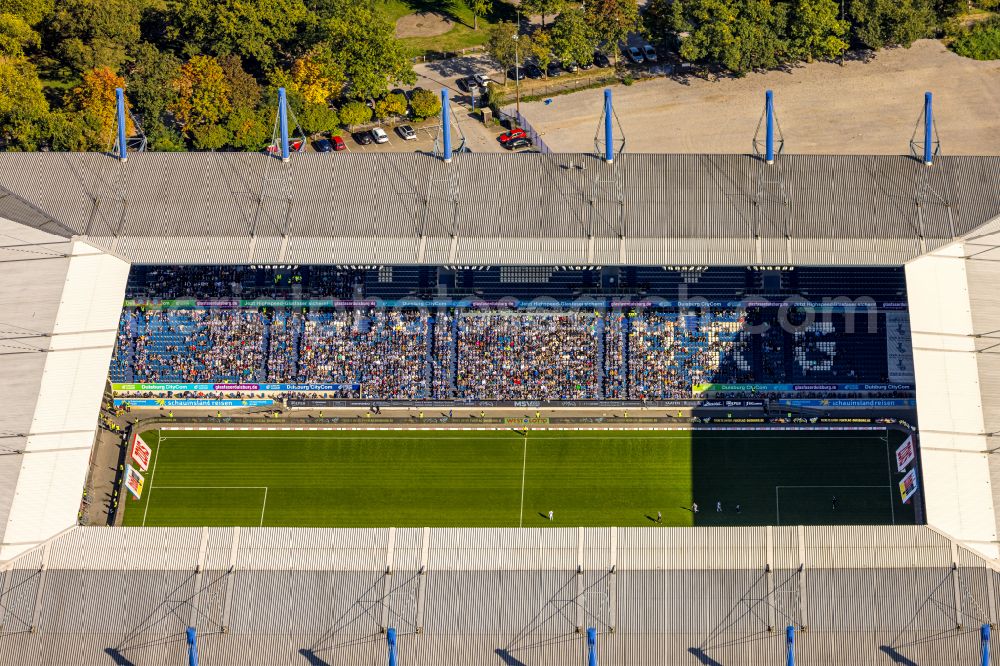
x=860 y=107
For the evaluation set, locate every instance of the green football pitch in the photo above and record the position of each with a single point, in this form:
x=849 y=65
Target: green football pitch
x=507 y=478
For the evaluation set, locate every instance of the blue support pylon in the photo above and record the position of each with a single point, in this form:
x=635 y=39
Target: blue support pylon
x=283 y=123
x=446 y=125
x=591 y=646
x=928 y=129
x=390 y=639
x=192 y=643
x=609 y=140
x=769 y=140
x=790 y=645
x=120 y=102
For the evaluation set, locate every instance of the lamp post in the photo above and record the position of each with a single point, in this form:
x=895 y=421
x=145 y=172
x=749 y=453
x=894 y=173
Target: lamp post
x=517 y=66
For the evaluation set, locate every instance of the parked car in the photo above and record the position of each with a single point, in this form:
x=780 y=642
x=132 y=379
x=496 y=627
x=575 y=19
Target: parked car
x=468 y=84
x=323 y=146
x=362 y=138
x=601 y=59
x=635 y=55
x=399 y=91
x=406 y=132
x=516 y=133
x=515 y=73
x=515 y=144
x=482 y=80
x=379 y=135
x=532 y=71
x=570 y=66
x=649 y=52
x=338 y=143
x=553 y=69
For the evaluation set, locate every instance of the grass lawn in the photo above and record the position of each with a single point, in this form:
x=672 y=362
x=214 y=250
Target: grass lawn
x=461 y=36
x=502 y=478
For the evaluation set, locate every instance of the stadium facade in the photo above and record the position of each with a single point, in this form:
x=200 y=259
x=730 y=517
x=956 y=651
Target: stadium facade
x=856 y=595
x=74 y=224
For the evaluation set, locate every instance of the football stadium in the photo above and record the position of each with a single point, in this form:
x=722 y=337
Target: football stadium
x=512 y=409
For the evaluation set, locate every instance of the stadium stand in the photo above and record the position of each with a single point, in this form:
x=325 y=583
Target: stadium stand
x=533 y=341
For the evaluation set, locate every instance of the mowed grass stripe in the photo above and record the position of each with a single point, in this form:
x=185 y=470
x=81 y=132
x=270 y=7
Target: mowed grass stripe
x=473 y=478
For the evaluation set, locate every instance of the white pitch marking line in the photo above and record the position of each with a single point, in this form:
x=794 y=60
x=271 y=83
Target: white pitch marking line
x=263 y=506
x=524 y=466
x=156 y=456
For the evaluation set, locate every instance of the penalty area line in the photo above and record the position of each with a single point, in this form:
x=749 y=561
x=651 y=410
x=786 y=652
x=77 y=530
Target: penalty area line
x=263 y=507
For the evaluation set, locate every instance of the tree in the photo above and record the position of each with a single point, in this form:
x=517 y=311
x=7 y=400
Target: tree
x=364 y=43
x=501 y=44
x=393 y=104
x=480 y=8
x=95 y=96
x=538 y=46
x=202 y=97
x=573 y=39
x=30 y=11
x=24 y=111
x=425 y=104
x=316 y=118
x=613 y=20
x=880 y=23
x=252 y=29
x=87 y=34
x=355 y=113
x=658 y=22
x=150 y=91
x=739 y=35
x=815 y=32
x=248 y=128
x=543 y=7
x=244 y=91
x=209 y=137
x=16 y=36
x=317 y=78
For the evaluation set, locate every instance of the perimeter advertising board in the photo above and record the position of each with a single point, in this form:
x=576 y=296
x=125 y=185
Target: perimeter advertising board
x=908 y=486
x=905 y=454
x=134 y=481
x=141 y=453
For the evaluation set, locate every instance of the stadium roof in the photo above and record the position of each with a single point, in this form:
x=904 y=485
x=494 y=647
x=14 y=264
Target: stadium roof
x=857 y=595
x=495 y=209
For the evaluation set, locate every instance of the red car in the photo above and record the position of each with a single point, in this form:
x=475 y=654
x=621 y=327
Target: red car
x=338 y=143
x=516 y=133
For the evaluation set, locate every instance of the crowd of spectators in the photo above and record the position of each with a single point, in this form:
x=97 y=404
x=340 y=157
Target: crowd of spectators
x=614 y=356
x=669 y=353
x=384 y=351
x=528 y=356
x=443 y=357
x=407 y=353
x=283 y=352
x=199 y=346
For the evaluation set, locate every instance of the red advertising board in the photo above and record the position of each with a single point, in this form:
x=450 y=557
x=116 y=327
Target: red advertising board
x=905 y=454
x=141 y=453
